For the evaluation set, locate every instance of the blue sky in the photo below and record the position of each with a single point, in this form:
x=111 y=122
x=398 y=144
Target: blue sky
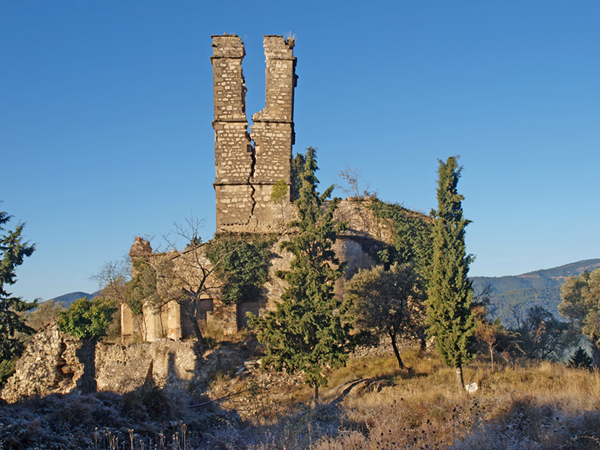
x=106 y=110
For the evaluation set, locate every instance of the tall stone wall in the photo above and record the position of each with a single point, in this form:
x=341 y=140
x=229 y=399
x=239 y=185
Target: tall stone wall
x=234 y=155
x=246 y=173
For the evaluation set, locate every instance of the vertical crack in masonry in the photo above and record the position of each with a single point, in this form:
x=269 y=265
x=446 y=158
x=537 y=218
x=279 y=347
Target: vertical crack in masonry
x=252 y=150
x=242 y=182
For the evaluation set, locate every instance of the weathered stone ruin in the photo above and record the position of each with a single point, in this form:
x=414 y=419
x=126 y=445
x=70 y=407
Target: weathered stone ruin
x=357 y=246
x=50 y=364
x=249 y=164
x=57 y=363
x=166 y=319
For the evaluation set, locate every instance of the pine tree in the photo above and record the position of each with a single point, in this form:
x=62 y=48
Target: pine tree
x=309 y=330
x=449 y=290
x=581 y=360
x=298 y=162
x=12 y=253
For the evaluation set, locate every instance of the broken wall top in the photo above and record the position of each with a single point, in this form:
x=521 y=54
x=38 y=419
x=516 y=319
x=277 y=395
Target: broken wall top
x=228 y=46
x=277 y=47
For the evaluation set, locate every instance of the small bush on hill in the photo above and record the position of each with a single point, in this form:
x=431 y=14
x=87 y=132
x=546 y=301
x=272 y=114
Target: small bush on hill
x=87 y=319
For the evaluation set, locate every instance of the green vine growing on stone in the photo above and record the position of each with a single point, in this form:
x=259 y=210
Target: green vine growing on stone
x=412 y=235
x=244 y=264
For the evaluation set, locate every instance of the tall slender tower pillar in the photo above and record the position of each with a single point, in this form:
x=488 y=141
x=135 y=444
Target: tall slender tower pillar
x=273 y=128
x=246 y=173
x=234 y=157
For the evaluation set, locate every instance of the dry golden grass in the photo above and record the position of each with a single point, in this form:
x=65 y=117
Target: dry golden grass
x=521 y=405
x=529 y=405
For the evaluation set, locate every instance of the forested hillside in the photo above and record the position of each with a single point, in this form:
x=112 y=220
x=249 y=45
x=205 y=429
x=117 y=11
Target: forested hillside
x=511 y=294
x=67 y=299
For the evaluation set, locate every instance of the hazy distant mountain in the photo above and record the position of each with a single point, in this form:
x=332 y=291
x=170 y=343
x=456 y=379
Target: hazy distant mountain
x=541 y=287
x=67 y=299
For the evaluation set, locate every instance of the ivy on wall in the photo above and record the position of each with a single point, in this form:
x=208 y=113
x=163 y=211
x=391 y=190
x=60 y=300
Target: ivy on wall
x=242 y=264
x=412 y=235
x=142 y=287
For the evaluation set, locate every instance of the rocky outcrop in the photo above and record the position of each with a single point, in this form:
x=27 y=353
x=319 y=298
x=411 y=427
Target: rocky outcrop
x=50 y=364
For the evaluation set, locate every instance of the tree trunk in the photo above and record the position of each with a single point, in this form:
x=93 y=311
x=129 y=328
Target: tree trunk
x=198 y=334
x=492 y=356
x=316 y=393
x=395 y=347
x=190 y=309
x=459 y=378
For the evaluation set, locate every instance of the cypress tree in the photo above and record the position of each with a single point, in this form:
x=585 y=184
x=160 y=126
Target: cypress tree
x=449 y=290
x=13 y=251
x=310 y=329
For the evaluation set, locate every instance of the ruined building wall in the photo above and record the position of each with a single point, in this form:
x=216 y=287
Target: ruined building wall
x=234 y=158
x=55 y=363
x=156 y=322
x=246 y=173
x=247 y=166
x=167 y=318
x=273 y=128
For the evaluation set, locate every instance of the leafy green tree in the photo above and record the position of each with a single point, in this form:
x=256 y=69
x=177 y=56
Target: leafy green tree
x=450 y=294
x=581 y=305
x=388 y=302
x=310 y=329
x=13 y=251
x=279 y=196
x=85 y=319
x=88 y=321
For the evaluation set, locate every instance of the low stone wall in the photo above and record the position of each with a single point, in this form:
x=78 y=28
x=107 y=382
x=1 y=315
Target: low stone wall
x=163 y=362
x=55 y=362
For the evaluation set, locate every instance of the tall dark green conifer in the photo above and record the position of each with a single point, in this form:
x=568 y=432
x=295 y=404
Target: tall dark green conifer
x=450 y=294
x=310 y=329
x=13 y=251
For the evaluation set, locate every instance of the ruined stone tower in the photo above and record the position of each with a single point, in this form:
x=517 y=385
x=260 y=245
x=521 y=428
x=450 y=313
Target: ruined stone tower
x=249 y=164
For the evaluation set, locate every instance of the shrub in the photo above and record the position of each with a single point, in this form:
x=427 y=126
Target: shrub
x=87 y=319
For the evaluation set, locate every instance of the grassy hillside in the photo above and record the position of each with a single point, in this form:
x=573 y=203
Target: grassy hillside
x=541 y=287
x=369 y=405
